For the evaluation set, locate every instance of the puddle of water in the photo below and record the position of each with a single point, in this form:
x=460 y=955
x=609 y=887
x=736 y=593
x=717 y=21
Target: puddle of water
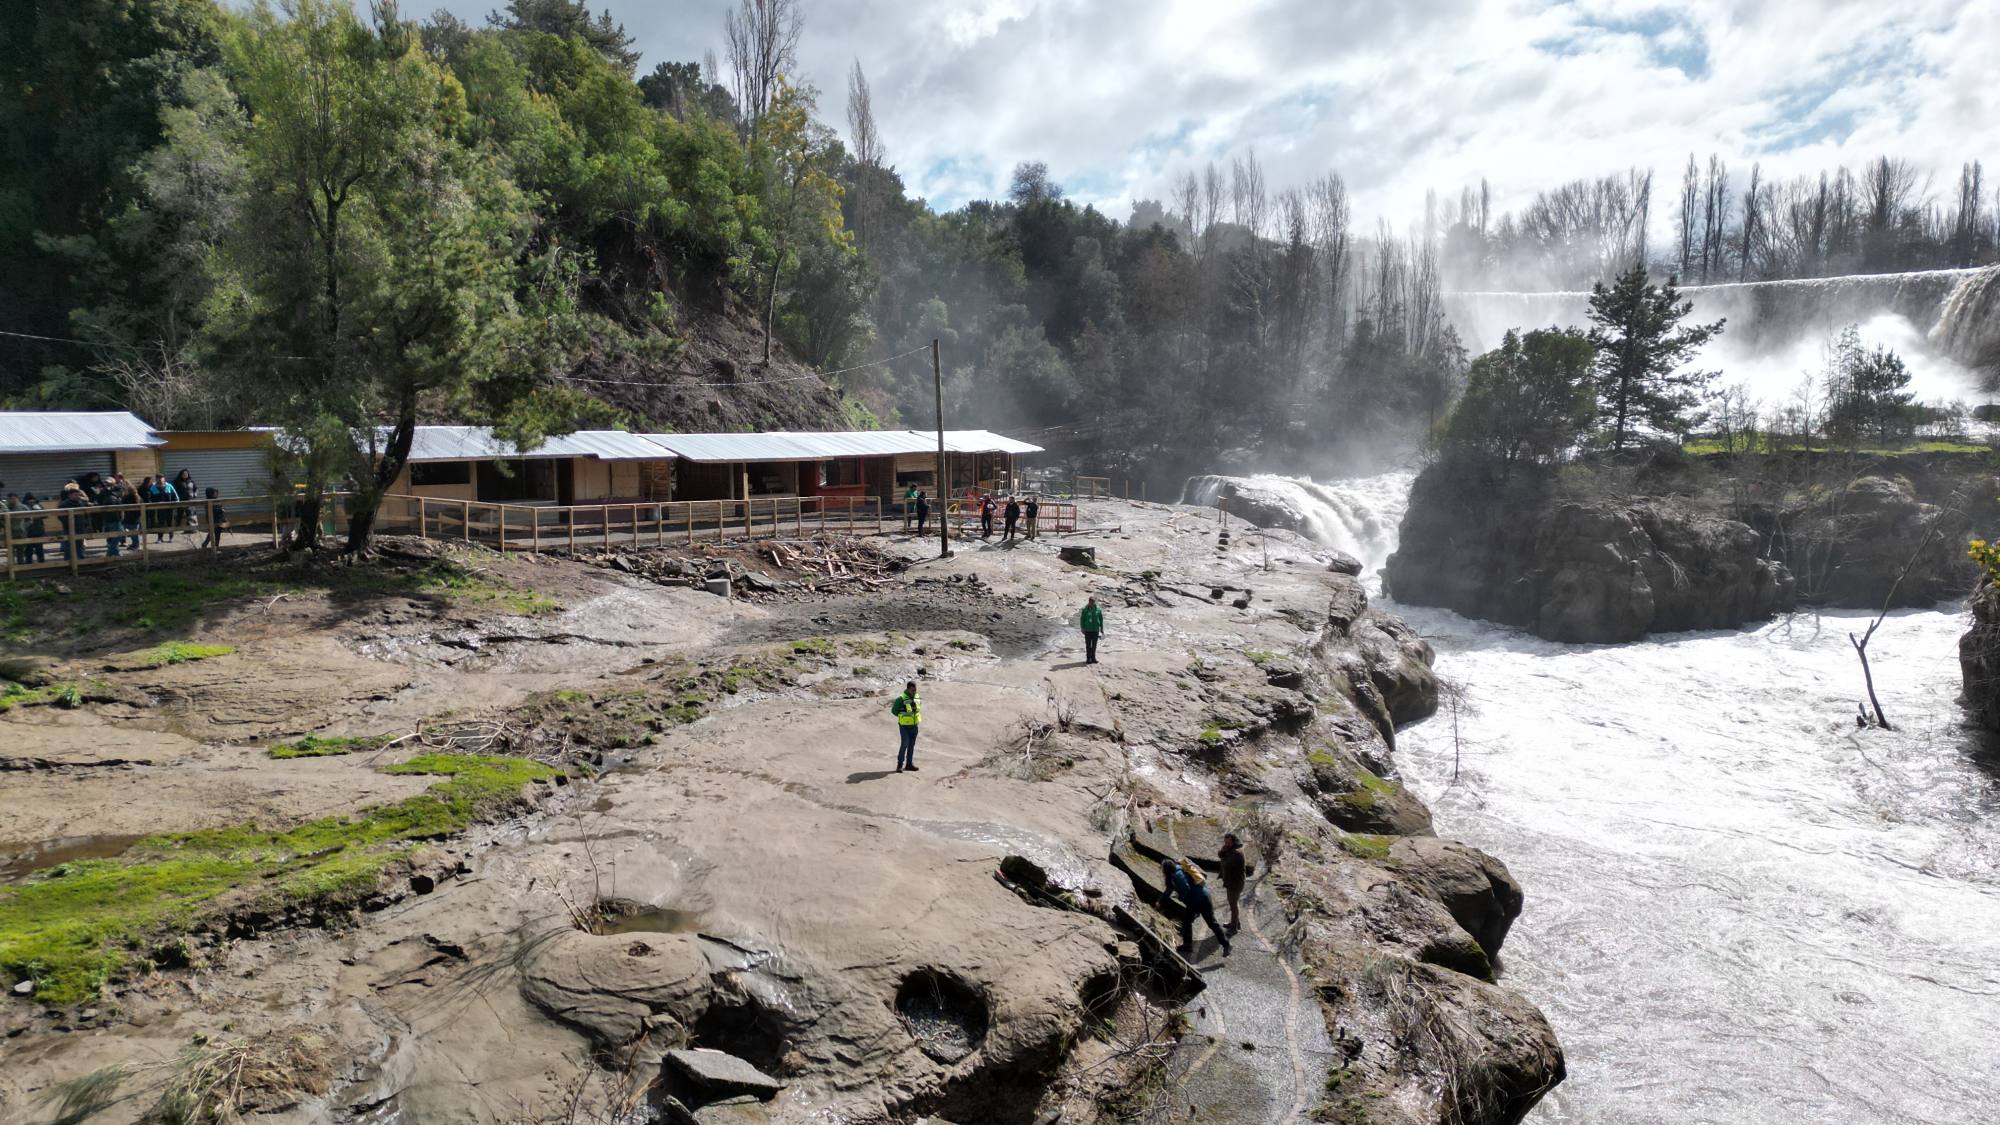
x=17 y=863
x=659 y=920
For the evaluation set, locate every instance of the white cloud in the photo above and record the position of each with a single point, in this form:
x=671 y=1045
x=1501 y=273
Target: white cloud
x=1119 y=95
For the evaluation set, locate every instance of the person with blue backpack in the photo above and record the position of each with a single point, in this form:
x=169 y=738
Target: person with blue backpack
x=908 y=710
x=1185 y=882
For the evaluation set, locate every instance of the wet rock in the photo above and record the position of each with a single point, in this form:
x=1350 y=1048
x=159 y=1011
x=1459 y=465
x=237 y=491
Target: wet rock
x=1079 y=556
x=1351 y=796
x=719 y=586
x=594 y=984
x=1344 y=563
x=24 y=988
x=1979 y=659
x=720 y=1074
x=1476 y=888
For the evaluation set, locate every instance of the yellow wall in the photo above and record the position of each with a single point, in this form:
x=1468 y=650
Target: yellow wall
x=590 y=479
x=465 y=491
x=136 y=463
x=215 y=439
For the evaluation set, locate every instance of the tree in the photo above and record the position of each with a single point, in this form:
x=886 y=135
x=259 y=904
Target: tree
x=1642 y=350
x=795 y=155
x=375 y=262
x=763 y=42
x=861 y=119
x=1529 y=401
x=1867 y=392
x=570 y=19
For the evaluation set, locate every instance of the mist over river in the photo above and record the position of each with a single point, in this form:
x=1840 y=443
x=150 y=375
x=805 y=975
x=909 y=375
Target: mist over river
x=1740 y=908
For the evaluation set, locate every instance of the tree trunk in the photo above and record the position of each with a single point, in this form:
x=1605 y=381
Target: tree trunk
x=361 y=518
x=305 y=537
x=771 y=307
x=1868 y=677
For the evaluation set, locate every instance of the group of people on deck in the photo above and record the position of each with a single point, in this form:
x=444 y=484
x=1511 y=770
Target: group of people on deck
x=121 y=529
x=1020 y=516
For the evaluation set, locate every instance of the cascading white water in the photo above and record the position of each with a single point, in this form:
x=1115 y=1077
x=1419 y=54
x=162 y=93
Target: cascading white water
x=1357 y=515
x=1739 y=907
x=1777 y=331
x=1968 y=327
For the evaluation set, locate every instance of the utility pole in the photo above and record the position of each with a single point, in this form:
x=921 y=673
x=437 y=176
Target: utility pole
x=944 y=494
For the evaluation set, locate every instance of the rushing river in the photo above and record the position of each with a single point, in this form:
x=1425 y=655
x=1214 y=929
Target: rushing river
x=1740 y=907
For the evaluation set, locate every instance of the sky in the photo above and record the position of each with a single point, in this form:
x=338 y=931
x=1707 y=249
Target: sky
x=1398 y=96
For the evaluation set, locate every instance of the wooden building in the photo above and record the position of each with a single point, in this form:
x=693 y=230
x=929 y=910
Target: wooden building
x=586 y=467
x=880 y=463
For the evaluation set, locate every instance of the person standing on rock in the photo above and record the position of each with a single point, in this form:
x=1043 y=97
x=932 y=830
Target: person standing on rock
x=1034 y=510
x=1013 y=517
x=909 y=711
x=1184 y=882
x=1092 y=622
x=1234 y=870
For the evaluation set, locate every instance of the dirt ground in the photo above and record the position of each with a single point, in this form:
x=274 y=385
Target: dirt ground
x=730 y=781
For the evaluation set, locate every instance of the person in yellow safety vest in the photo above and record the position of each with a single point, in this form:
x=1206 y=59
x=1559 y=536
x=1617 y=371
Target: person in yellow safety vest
x=908 y=710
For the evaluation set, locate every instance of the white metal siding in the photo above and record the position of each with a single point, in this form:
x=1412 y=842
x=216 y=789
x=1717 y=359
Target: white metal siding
x=231 y=472
x=44 y=474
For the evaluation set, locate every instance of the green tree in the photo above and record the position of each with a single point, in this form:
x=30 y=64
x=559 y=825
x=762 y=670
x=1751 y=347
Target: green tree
x=1642 y=354
x=571 y=19
x=376 y=264
x=796 y=156
x=1867 y=392
x=1529 y=401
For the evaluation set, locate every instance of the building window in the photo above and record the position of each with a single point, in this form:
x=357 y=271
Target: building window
x=837 y=473
x=440 y=472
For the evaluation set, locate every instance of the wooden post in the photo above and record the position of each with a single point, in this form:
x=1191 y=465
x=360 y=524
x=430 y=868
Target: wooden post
x=465 y=517
x=535 y=532
x=145 y=540
x=799 y=518
x=569 y=517
x=7 y=522
x=659 y=525
x=423 y=528
x=689 y=509
x=208 y=521
x=943 y=482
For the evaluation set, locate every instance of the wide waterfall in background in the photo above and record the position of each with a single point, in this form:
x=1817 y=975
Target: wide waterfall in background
x=1740 y=907
x=1944 y=323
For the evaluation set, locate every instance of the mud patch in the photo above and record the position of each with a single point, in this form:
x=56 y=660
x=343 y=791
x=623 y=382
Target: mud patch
x=1011 y=626
x=17 y=862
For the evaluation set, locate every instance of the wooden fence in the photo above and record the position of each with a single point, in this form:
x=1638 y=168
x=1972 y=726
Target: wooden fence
x=538 y=527
x=72 y=539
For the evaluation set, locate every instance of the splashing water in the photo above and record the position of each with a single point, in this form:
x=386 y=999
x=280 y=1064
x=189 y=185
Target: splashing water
x=1358 y=515
x=1739 y=906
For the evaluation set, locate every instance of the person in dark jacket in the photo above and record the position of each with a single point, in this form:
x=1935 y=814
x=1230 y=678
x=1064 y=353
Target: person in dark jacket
x=1013 y=518
x=1234 y=872
x=923 y=512
x=16 y=528
x=73 y=523
x=183 y=487
x=1184 y=882
x=218 y=522
x=33 y=528
x=909 y=712
x=128 y=519
x=1034 y=511
x=986 y=517
x=101 y=495
x=1091 y=620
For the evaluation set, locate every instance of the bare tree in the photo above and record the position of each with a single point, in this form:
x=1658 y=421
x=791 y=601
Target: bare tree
x=763 y=42
x=1185 y=197
x=1860 y=643
x=1327 y=224
x=1690 y=203
x=1753 y=209
x=861 y=119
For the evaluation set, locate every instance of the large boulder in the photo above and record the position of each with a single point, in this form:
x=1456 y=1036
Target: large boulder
x=1979 y=659
x=1482 y=896
x=1583 y=571
x=1882 y=545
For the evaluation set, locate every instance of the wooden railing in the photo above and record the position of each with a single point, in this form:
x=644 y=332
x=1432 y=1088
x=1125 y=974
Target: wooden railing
x=71 y=539
x=1051 y=518
x=538 y=527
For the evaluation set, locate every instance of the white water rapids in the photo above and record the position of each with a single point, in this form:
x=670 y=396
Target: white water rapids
x=1740 y=908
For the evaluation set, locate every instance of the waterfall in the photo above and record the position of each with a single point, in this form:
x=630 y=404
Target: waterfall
x=1968 y=327
x=1358 y=515
x=1777 y=330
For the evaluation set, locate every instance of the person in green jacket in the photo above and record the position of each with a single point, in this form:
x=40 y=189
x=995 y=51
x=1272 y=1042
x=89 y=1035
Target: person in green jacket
x=1092 y=621
x=909 y=711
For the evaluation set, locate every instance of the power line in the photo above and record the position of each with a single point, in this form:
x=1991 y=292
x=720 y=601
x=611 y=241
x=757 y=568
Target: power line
x=112 y=345
x=750 y=383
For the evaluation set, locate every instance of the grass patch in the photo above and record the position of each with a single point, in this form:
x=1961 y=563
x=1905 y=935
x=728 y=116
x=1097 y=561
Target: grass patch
x=814 y=646
x=1762 y=443
x=12 y=695
x=1212 y=736
x=1259 y=657
x=76 y=926
x=172 y=600
x=319 y=746
x=1367 y=845
x=181 y=652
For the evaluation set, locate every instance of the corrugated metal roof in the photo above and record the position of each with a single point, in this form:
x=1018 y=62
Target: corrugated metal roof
x=826 y=445
x=30 y=431
x=983 y=441
x=478 y=443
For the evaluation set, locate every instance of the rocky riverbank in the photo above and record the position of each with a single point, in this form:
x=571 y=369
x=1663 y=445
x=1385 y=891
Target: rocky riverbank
x=1604 y=552
x=693 y=880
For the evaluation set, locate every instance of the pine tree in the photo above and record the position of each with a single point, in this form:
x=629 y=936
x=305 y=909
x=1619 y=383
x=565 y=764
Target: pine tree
x=1642 y=350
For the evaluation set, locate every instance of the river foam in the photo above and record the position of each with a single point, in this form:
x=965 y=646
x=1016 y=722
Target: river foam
x=1740 y=907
